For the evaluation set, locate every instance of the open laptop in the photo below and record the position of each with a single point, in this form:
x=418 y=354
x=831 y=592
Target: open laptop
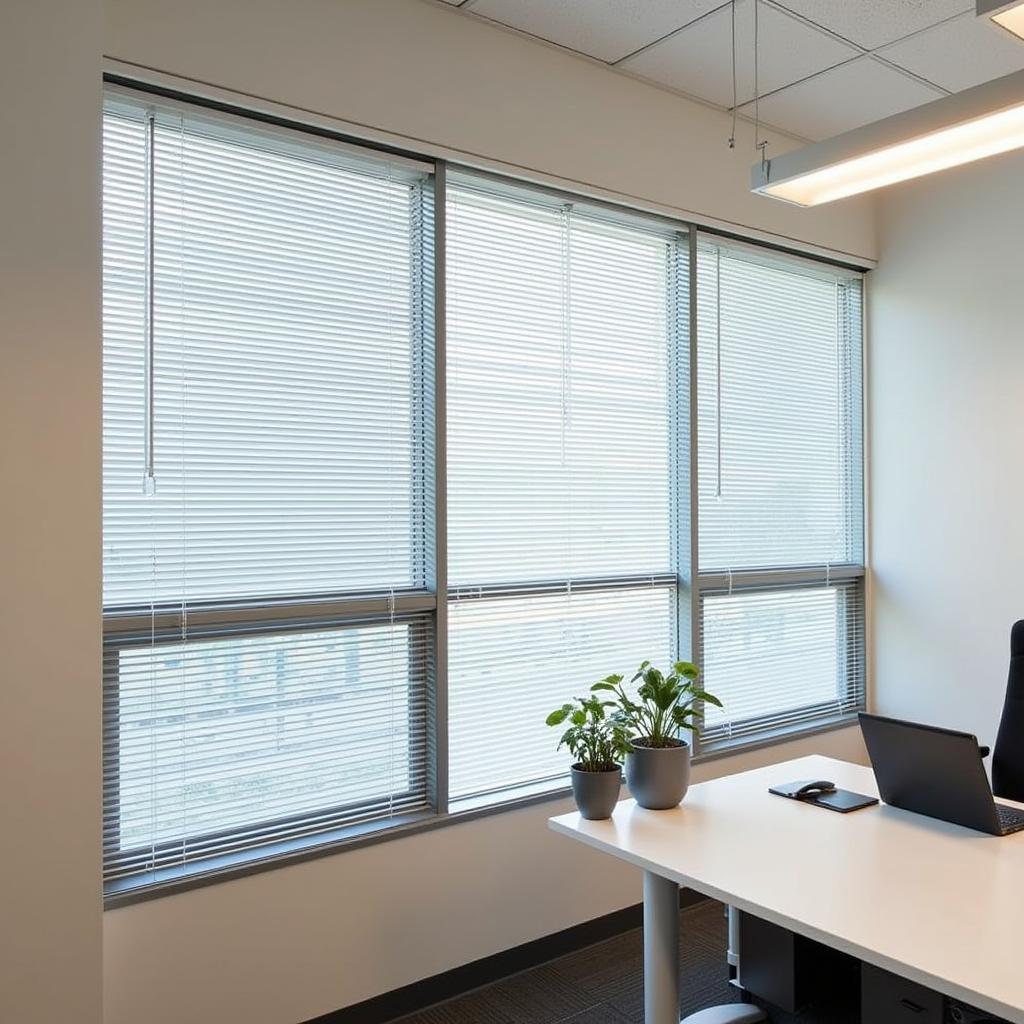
x=937 y=772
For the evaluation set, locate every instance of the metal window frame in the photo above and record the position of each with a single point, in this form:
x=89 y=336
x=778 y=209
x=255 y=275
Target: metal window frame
x=679 y=237
x=123 y=626
x=133 y=626
x=782 y=578
x=850 y=657
x=276 y=827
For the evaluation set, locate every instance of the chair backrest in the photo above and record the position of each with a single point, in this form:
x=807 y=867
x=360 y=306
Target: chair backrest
x=1008 y=757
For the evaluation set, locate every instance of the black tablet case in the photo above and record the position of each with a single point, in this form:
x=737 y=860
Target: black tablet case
x=841 y=800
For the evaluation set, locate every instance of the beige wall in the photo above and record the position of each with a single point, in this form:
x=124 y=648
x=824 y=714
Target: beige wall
x=443 y=80
x=946 y=329
x=285 y=945
x=50 y=911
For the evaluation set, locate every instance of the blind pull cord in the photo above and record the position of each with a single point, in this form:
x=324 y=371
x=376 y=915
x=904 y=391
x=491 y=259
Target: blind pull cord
x=149 y=316
x=718 y=373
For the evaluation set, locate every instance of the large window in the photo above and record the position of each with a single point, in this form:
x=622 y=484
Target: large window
x=366 y=522
x=781 y=494
x=563 y=410
x=268 y=488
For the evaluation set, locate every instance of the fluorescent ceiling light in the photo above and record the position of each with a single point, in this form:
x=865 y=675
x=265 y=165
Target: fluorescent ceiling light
x=1006 y=15
x=954 y=130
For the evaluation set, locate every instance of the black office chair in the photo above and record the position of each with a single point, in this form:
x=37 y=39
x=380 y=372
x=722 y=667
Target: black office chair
x=1008 y=757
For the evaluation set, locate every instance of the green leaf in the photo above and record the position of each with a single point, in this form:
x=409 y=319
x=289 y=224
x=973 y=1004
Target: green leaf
x=603 y=686
x=707 y=698
x=559 y=716
x=687 y=669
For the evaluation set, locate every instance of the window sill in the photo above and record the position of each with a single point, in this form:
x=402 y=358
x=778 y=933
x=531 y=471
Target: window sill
x=772 y=737
x=171 y=881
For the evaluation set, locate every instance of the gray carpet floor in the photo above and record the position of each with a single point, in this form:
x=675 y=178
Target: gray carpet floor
x=603 y=984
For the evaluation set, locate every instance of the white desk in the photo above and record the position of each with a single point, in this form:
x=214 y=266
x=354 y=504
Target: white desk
x=939 y=904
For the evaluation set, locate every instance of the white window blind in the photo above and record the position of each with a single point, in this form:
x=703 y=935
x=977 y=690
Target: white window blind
x=563 y=397
x=780 y=490
x=283 y=651
x=267 y=464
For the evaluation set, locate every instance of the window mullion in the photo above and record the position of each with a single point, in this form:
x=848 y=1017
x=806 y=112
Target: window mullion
x=438 y=714
x=690 y=557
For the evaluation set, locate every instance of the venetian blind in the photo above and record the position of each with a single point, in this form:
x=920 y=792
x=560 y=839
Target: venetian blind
x=781 y=500
x=562 y=328
x=267 y=458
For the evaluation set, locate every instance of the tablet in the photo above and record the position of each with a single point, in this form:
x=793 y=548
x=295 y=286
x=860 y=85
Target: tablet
x=842 y=800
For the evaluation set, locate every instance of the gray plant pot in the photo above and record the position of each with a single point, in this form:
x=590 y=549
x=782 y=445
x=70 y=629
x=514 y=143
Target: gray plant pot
x=658 y=777
x=596 y=793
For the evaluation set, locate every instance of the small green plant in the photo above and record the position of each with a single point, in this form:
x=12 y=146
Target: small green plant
x=663 y=705
x=597 y=741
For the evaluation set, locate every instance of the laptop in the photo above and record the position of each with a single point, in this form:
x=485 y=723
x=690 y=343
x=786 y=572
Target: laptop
x=936 y=772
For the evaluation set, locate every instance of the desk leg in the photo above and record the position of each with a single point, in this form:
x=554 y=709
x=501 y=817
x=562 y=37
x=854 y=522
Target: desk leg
x=661 y=963
x=661 y=950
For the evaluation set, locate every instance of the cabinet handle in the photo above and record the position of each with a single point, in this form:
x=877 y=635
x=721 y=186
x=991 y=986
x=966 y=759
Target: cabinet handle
x=912 y=1006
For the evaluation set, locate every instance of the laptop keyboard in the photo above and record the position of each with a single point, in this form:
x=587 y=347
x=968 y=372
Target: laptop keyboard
x=1010 y=818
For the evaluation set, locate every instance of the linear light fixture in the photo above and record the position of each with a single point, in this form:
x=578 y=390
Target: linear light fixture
x=954 y=130
x=1006 y=15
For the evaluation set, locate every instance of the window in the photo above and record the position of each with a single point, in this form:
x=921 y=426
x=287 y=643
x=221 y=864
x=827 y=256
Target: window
x=780 y=492
x=563 y=413
x=268 y=488
x=295 y=654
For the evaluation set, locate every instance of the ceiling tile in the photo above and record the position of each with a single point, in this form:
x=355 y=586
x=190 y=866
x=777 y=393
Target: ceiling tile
x=872 y=23
x=698 y=60
x=846 y=97
x=606 y=29
x=959 y=53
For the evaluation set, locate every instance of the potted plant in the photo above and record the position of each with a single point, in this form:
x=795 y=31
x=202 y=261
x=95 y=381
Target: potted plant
x=598 y=743
x=657 y=760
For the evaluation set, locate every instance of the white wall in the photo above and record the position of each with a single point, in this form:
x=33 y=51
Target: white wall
x=946 y=329
x=285 y=945
x=441 y=79
x=50 y=909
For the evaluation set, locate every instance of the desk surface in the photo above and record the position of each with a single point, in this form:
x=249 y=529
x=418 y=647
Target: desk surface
x=934 y=902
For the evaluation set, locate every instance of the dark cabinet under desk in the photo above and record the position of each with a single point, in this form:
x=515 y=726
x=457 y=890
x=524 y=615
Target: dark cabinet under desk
x=797 y=974
x=820 y=985
x=889 y=999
